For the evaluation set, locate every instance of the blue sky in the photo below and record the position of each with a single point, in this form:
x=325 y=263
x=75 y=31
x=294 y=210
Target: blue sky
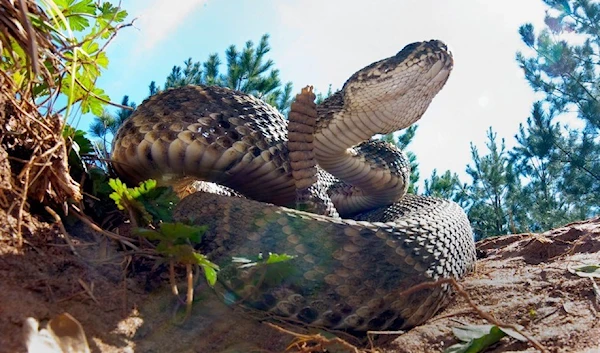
x=322 y=42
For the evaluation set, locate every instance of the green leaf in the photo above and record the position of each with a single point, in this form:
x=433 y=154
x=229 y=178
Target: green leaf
x=110 y=12
x=586 y=271
x=120 y=192
x=78 y=137
x=476 y=338
x=102 y=60
x=99 y=182
x=96 y=106
x=80 y=145
x=275 y=258
x=160 y=202
x=90 y=48
x=260 y=260
x=210 y=274
x=63 y=4
x=149 y=234
x=148 y=200
x=179 y=230
x=78 y=23
x=83 y=7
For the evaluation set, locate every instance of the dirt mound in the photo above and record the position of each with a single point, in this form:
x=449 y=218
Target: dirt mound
x=523 y=279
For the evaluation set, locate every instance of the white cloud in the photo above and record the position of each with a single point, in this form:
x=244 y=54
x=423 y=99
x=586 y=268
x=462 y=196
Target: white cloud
x=159 y=19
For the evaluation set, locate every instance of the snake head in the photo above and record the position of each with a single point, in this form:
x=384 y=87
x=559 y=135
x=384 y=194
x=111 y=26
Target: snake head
x=395 y=92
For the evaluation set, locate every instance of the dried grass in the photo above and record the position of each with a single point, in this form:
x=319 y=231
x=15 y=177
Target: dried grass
x=33 y=153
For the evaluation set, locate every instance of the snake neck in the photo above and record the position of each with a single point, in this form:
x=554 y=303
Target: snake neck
x=386 y=96
x=375 y=173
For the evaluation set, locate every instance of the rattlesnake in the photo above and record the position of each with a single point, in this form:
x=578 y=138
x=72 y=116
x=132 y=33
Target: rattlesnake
x=346 y=274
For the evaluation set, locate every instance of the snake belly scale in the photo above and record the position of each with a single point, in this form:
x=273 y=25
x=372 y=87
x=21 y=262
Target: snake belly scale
x=347 y=271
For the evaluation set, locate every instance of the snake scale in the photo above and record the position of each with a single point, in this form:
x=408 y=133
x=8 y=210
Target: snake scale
x=348 y=272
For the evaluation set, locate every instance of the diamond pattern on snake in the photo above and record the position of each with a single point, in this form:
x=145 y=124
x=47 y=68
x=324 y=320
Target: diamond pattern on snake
x=330 y=196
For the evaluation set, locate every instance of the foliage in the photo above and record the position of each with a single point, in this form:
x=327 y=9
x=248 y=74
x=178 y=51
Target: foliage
x=261 y=260
x=476 y=338
x=145 y=202
x=79 y=32
x=447 y=186
x=270 y=269
x=320 y=96
x=552 y=175
x=591 y=271
x=494 y=199
x=79 y=147
x=493 y=180
x=537 y=160
x=561 y=160
x=175 y=241
x=247 y=70
x=106 y=125
x=52 y=54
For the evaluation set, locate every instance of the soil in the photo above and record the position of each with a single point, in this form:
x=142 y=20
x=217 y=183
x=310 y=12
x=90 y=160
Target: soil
x=123 y=302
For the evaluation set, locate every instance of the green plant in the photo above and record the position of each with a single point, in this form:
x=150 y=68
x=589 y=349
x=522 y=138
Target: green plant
x=83 y=29
x=260 y=260
x=146 y=202
x=78 y=147
x=51 y=50
x=269 y=270
x=176 y=241
x=476 y=338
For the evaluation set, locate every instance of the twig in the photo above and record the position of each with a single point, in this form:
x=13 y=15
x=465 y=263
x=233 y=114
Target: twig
x=63 y=230
x=489 y=317
x=109 y=234
x=88 y=290
x=370 y=335
x=32 y=43
x=22 y=205
x=301 y=338
x=172 y=281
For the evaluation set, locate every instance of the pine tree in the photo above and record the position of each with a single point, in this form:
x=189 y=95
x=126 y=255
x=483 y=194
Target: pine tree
x=153 y=89
x=248 y=70
x=123 y=113
x=564 y=68
x=538 y=160
x=446 y=186
x=494 y=191
x=100 y=129
x=190 y=74
x=105 y=126
x=322 y=96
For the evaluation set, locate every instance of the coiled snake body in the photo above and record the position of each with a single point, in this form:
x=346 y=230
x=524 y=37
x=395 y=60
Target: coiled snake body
x=347 y=273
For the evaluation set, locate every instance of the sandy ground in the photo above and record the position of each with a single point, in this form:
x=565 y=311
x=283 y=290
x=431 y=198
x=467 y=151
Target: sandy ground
x=520 y=279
